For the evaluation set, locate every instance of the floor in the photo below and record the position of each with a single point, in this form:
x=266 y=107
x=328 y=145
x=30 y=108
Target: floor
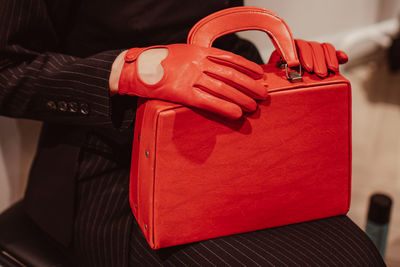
x=376 y=142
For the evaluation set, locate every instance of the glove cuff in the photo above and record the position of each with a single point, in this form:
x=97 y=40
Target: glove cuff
x=129 y=82
x=129 y=71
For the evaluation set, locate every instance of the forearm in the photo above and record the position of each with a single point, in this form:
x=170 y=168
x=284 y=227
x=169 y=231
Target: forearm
x=55 y=87
x=51 y=86
x=116 y=73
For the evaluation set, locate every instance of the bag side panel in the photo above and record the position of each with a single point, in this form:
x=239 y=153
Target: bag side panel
x=143 y=165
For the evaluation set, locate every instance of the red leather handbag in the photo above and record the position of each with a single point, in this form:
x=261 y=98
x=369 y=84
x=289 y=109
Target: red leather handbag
x=196 y=176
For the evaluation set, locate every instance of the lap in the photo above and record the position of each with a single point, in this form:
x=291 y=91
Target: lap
x=106 y=234
x=335 y=241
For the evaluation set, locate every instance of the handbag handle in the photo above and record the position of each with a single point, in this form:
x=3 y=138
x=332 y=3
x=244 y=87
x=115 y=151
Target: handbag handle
x=235 y=19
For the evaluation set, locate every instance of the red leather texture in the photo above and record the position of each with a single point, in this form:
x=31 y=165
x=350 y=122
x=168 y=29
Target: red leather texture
x=197 y=176
x=203 y=77
x=315 y=57
x=237 y=19
x=319 y=58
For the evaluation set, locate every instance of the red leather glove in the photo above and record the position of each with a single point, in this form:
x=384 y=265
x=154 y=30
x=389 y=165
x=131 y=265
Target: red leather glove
x=316 y=57
x=205 y=78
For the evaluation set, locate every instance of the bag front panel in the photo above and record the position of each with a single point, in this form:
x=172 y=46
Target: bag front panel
x=287 y=163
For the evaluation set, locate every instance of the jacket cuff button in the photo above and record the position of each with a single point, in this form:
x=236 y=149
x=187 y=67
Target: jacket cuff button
x=84 y=109
x=51 y=105
x=73 y=107
x=62 y=106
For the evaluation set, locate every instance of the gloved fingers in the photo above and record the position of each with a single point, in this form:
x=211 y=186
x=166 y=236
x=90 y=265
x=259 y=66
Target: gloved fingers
x=305 y=53
x=238 y=80
x=204 y=100
x=224 y=91
x=330 y=57
x=275 y=58
x=320 y=67
x=342 y=57
x=237 y=62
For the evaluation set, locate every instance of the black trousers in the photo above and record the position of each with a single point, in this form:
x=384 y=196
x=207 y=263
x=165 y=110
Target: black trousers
x=106 y=233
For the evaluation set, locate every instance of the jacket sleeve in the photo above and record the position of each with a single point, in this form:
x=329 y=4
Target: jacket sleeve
x=38 y=82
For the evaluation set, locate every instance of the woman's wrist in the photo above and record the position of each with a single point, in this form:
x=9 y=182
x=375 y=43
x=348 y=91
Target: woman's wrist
x=116 y=73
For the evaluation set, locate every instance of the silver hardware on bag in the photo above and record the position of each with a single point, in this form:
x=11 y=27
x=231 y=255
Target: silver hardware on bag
x=147 y=153
x=293 y=76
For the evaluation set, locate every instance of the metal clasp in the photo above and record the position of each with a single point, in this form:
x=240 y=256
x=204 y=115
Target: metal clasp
x=293 y=76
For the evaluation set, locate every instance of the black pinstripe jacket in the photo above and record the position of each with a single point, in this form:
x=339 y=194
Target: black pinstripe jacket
x=55 y=60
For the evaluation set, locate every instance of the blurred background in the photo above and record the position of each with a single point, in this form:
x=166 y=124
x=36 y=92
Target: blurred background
x=364 y=29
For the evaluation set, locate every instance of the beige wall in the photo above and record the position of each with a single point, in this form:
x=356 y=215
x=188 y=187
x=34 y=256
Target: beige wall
x=18 y=139
x=322 y=19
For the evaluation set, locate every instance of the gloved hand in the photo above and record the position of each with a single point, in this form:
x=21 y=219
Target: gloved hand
x=205 y=78
x=316 y=57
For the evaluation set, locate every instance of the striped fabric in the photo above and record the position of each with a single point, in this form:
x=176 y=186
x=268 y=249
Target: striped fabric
x=31 y=75
x=103 y=216
x=39 y=81
x=106 y=233
x=335 y=241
